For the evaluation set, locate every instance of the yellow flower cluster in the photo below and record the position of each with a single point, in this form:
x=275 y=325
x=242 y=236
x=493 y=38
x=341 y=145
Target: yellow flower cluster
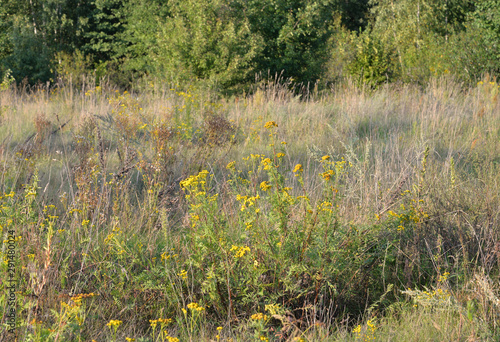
x=443 y=277
x=259 y=317
x=298 y=168
x=183 y=274
x=239 y=250
x=369 y=334
x=192 y=182
x=77 y=299
x=247 y=201
x=195 y=307
x=327 y=175
x=265 y=186
x=325 y=206
x=266 y=163
x=161 y=321
x=270 y=124
x=114 y=323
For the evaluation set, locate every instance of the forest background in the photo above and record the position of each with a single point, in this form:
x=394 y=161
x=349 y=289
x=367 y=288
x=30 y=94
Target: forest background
x=225 y=43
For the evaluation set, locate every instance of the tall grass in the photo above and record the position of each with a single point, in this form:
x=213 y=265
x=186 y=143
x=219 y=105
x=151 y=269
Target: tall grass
x=167 y=213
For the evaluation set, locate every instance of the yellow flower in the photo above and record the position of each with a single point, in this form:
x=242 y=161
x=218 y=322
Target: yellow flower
x=114 y=323
x=265 y=186
x=267 y=163
x=325 y=157
x=259 y=316
x=298 y=168
x=129 y=339
x=240 y=251
x=270 y=124
x=183 y=274
x=327 y=174
x=230 y=166
x=279 y=155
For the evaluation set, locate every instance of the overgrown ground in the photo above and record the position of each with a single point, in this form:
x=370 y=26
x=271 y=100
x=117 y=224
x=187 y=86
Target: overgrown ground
x=171 y=214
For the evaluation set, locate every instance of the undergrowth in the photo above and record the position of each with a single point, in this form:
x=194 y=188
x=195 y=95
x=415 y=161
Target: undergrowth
x=176 y=215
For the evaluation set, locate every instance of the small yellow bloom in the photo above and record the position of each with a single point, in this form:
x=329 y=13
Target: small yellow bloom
x=270 y=124
x=325 y=157
x=114 y=323
x=298 y=168
x=259 y=316
x=265 y=186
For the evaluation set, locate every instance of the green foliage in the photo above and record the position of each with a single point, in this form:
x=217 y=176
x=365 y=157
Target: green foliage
x=371 y=64
x=30 y=58
x=103 y=28
x=205 y=40
x=295 y=34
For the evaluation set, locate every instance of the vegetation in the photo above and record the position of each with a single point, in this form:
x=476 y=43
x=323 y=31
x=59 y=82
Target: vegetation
x=223 y=44
x=167 y=214
x=249 y=170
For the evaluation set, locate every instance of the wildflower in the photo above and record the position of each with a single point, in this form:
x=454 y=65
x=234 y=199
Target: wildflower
x=265 y=186
x=240 y=251
x=327 y=175
x=325 y=157
x=183 y=274
x=259 y=316
x=195 y=307
x=444 y=277
x=114 y=323
x=230 y=166
x=129 y=339
x=279 y=155
x=270 y=124
x=298 y=168
x=267 y=163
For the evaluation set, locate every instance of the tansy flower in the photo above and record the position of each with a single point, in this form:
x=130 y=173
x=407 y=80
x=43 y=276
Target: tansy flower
x=265 y=186
x=297 y=168
x=270 y=124
x=114 y=322
x=259 y=316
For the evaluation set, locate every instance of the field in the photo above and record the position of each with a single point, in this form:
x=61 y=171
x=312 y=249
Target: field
x=165 y=214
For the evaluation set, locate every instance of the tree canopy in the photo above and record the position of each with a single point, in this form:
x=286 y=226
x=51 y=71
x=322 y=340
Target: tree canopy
x=227 y=42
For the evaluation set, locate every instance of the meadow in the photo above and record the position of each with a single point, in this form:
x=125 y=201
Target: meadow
x=166 y=214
